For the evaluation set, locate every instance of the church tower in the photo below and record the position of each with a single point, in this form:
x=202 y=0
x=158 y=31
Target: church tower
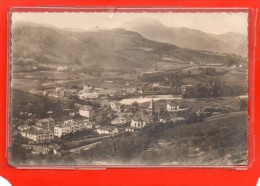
x=151 y=108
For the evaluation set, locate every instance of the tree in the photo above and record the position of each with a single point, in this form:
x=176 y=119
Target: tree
x=135 y=106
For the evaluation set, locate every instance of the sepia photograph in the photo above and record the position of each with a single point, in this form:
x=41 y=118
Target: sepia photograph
x=128 y=89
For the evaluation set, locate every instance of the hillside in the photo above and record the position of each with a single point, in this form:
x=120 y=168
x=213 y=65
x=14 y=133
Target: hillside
x=217 y=141
x=230 y=42
x=34 y=44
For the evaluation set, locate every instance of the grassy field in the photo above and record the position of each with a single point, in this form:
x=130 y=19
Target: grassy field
x=220 y=140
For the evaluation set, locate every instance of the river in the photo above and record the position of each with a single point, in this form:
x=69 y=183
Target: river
x=146 y=98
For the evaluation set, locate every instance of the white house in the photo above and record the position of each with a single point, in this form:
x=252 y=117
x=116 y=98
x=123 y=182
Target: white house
x=116 y=106
x=130 y=129
x=139 y=122
x=87 y=111
x=88 y=124
x=170 y=107
x=62 y=68
x=119 y=121
x=185 y=87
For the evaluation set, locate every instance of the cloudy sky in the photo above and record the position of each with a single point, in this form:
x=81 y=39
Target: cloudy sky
x=216 y=23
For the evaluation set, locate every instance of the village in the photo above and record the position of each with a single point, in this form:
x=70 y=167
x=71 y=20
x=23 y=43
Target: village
x=111 y=118
x=105 y=117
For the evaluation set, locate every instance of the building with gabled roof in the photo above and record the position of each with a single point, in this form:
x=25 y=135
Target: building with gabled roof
x=120 y=120
x=140 y=121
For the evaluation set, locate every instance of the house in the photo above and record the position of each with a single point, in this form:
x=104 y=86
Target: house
x=172 y=107
x=54 y=148
x=87 y=111
x=155 y=84
x=130 y=129
x=107 y=130
x=87 y=88
x=23 y=127
x=88 y=95
x=118 y=107
x=139 y=90
x=185 y=87
x=121 y=120
x=129 y=88
x=172 y=119
x=88 y=124
x=67 y=127
x=62 y=68
x=46 y=123
x=38 y=136
x=40 y=149
x=139 y=121
x=62 y=130
x=58 y=92
x=88 y=92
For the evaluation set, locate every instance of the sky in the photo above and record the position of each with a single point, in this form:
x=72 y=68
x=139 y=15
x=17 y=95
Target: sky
x=216 y=23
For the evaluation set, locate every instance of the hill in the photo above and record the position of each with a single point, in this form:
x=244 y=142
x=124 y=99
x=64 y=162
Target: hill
x=36 y=45
x=230 y=42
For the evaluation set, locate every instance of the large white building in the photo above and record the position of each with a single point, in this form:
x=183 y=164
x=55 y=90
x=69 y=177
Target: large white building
x=71 y=126
x=38 y=136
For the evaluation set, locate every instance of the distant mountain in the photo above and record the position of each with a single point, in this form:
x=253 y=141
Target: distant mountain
x=117 y=48
x=190 y=38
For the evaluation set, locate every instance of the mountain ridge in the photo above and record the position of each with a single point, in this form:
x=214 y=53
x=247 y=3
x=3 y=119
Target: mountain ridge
x=230 y=42
x=114 y=48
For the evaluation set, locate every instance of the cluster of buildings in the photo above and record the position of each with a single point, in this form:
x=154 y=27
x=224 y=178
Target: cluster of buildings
x=145 y=114
x=109 y=118
x=117 y=116
x=45 y=130
x=92 y=93
x=60 y=92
